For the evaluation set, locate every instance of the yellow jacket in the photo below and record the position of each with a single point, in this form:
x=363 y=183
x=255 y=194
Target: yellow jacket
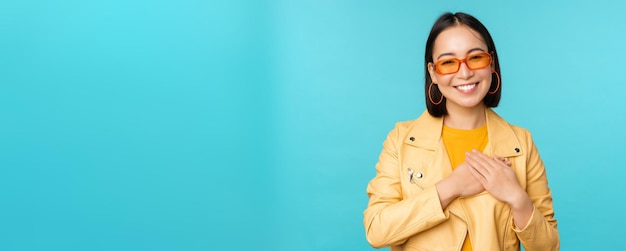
x=405 y=213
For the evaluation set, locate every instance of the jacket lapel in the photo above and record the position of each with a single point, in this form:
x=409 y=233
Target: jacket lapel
x=502 y=139
x=426 y=134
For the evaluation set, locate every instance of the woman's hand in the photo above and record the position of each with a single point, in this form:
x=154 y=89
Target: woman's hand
x=461 y=183
x=501 y=182
x=495 y=176
x=465 y=183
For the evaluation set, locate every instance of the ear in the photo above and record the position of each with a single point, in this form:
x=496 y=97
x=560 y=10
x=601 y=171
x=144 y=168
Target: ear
x=431 y=72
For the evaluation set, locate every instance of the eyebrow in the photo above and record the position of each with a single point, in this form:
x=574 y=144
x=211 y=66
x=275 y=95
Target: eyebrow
x=452 y=54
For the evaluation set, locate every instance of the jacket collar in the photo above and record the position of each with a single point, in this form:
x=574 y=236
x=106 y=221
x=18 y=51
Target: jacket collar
x=426 y=133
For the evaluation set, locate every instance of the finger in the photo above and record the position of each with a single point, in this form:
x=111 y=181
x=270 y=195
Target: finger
x=478 y=168
x=491 y=162
x=484 y=157
x=502 y=160
x=481 y=179
x=478 y=162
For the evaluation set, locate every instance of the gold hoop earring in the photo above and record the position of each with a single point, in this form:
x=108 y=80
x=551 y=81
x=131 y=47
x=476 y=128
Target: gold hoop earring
x=431 y=98
x=498 y=86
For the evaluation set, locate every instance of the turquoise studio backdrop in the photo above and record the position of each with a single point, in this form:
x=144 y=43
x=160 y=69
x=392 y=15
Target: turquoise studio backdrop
x=256 y=125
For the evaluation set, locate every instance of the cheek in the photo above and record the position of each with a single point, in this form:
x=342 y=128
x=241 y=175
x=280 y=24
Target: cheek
x=487 y=76
x=445 y=79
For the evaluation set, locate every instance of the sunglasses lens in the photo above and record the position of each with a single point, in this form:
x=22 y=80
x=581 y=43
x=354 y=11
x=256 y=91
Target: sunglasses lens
x=447 y=66
x=478 y=61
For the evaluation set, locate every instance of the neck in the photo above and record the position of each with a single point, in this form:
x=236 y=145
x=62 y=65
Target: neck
x=465 y=118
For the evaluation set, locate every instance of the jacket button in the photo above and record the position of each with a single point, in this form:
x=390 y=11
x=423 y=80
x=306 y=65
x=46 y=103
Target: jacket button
x=412 y=138
x=420 y=175
x=516 y=150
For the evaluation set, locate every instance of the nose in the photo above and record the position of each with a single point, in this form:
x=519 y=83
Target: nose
x=464 y=71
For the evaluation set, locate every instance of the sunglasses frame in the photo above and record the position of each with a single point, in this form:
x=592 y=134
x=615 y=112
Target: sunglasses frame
x=464 y=60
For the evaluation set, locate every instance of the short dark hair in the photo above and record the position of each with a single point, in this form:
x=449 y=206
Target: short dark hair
x=445 y=21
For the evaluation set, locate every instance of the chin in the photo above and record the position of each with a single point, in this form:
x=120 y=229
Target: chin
x=470 y=104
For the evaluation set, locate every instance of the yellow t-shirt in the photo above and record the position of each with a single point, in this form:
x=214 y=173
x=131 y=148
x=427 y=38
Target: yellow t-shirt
x=457 y=143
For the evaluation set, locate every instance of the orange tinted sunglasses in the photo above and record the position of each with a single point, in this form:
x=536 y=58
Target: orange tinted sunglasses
x=473 y=62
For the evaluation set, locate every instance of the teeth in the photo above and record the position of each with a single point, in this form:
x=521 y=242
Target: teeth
x=466 y=87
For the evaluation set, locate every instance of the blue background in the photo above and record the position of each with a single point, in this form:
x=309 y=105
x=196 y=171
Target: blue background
x=256 y=125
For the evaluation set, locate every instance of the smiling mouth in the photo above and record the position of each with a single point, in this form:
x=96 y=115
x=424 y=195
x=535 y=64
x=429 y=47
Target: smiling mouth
x=466 y=87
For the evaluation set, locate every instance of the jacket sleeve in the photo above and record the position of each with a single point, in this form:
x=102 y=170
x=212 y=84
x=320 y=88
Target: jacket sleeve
x=541 y=231
x=389 y=218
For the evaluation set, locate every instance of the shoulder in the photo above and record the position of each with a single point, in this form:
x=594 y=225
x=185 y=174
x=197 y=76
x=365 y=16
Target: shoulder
x=405 y=126
x=423 y=122
x=521 y=133
x=424 y=132
x=400 y=130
